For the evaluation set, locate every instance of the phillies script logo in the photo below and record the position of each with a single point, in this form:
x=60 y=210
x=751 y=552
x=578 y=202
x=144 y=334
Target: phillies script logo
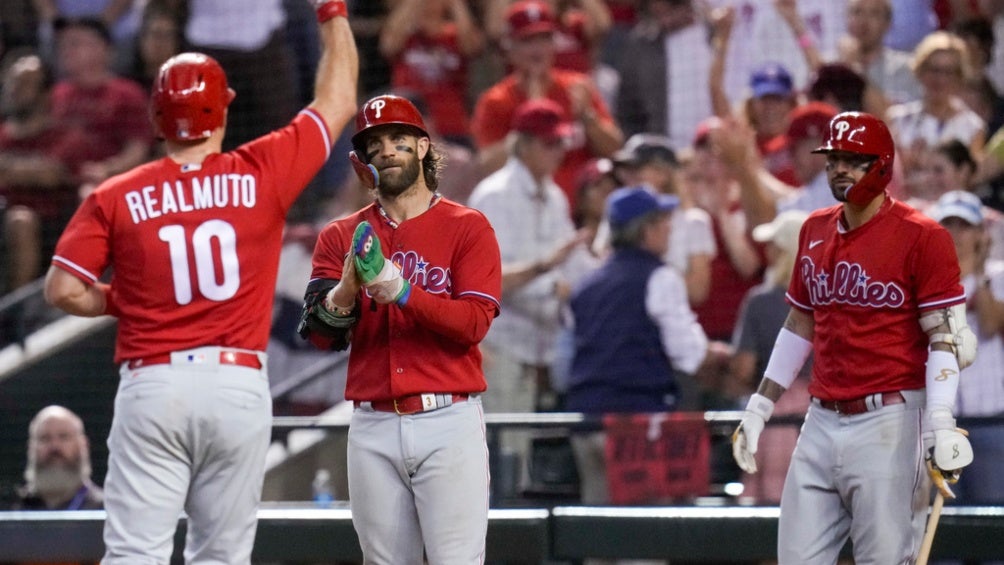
x=849 y=284
x=418 y=272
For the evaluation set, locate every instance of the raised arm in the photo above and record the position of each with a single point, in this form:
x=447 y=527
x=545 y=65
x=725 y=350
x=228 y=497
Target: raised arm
x=337 y=75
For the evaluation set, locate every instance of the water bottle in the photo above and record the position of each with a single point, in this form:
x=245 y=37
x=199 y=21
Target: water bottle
x=323 y=495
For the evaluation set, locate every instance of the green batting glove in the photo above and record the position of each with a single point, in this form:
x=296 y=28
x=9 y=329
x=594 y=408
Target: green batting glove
x=381 y=277
x=366 y=253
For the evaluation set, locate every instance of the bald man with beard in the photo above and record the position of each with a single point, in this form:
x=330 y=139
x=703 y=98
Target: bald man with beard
x=58 y=474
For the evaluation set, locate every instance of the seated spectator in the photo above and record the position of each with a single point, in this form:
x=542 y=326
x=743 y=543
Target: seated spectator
x=58 y=474
x=981 y=387
x=429 y=43
x=110 y=109
x=531 y=54
x=40 y=159
x=634 y=330
x=760 y=319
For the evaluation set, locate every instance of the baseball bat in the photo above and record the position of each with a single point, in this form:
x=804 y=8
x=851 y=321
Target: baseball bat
x=932 y=525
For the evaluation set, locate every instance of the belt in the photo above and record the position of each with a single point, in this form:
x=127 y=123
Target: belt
x=227 y=357
x=863 y=404
x=414 y=403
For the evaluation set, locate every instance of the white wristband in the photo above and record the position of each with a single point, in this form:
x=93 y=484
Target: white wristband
x=787 y=358
x=942 y=381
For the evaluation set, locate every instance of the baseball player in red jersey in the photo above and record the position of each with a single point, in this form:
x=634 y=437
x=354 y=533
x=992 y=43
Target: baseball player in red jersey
x=876 y=295
x=413 y=281
x=193 y=242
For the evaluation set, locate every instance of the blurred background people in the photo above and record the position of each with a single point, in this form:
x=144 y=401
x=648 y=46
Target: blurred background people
x=662 y=64
x=531 y=28
x=888 y=70
x=257 y=58
x=981 y=386
x=649 y=160
x=761 y=316
x=941 y=65
x=40 y=160
x=429 y=44
x=532 y=221
x=111 y=110
x=634 y=329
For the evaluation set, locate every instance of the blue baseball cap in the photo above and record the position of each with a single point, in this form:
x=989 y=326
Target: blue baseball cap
x=771 y=78
x=629 y=203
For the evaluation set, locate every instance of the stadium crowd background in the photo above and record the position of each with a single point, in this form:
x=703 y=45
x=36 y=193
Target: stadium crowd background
x=718 y=102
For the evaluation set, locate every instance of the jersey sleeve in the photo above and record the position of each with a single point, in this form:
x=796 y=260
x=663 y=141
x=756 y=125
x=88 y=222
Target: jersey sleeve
x=84 y=248
x=477 y=287
x=292 y=155
x=329 y=252
x=936 y=271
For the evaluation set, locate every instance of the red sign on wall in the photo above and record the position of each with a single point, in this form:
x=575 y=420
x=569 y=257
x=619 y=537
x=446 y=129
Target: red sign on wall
x=654 y=457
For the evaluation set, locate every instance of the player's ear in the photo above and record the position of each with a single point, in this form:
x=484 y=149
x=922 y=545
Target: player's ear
x=424 y=143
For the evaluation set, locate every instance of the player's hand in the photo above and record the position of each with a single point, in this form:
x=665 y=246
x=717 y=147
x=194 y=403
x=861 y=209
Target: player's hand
x=948 y=450
x=747 y=435
x=381 y=278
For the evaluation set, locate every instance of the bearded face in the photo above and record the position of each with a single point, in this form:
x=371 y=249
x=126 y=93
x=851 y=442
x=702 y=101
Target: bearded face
x=58 y=459
x=398 y=177
x=395 y=151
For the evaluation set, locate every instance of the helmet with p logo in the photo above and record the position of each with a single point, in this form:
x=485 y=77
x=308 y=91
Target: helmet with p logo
x=864 y=134
x=384 y=110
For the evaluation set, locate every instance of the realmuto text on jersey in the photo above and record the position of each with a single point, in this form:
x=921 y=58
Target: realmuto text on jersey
x=186 y=195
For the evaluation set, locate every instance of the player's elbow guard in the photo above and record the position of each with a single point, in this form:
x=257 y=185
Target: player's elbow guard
x=322 y=328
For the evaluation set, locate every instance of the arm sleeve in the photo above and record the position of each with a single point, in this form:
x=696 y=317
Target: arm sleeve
x=683 y=339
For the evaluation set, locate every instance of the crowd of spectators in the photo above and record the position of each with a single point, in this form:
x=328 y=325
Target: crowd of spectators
x=543 y=107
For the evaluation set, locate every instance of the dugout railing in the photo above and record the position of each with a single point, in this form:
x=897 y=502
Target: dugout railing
x=291 y=534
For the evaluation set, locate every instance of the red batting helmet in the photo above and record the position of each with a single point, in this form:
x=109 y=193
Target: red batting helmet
x=190 y=97
x=384 y=110
x=858 y=132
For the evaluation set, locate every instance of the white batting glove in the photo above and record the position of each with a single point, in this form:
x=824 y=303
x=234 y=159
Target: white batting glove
x=948 y=450
x=746 y=437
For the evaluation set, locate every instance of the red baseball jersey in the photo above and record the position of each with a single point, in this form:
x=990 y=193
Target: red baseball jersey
x=451 y=257
x=865 y=289
x=194 y=249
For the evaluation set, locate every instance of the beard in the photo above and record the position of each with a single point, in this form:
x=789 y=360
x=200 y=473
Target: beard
x=395 y=183
x=58 y=480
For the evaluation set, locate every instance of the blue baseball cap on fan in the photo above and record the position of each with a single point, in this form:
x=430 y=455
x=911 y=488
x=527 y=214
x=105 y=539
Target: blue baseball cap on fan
x=629 y=203
x=771 y=79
